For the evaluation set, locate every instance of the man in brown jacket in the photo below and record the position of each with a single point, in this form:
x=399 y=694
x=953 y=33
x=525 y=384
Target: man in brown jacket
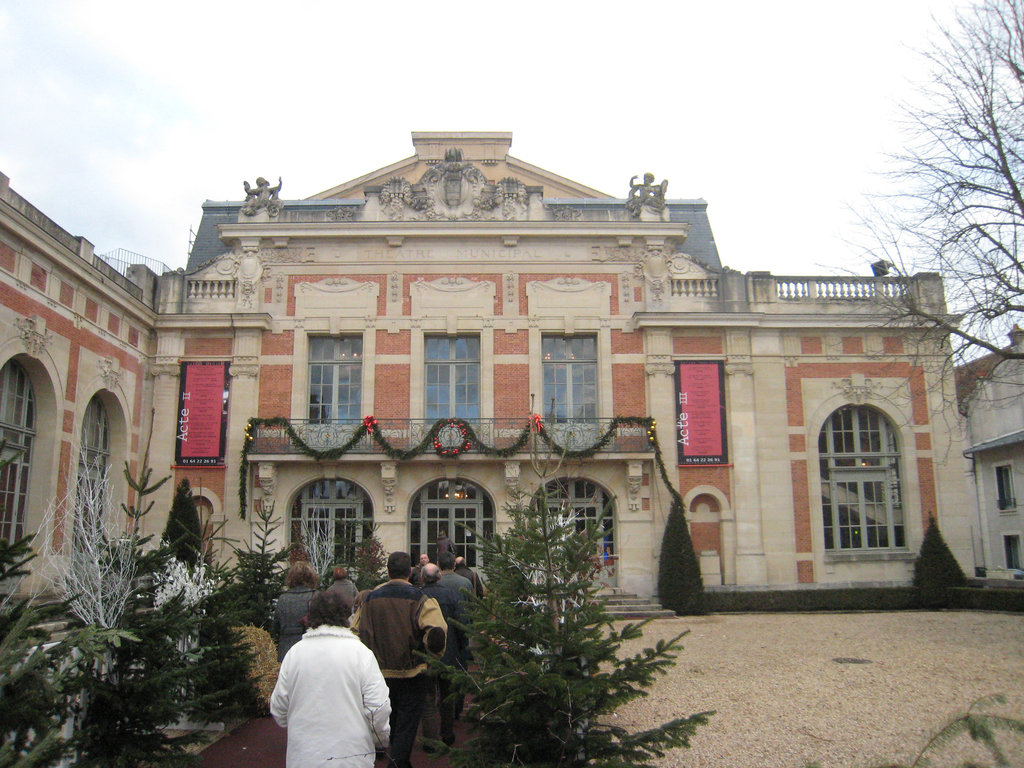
x=395 y=620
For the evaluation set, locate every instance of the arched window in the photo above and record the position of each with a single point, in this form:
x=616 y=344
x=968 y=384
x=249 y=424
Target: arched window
x=861 y=493
x=336 y=506
x=94 y=456
x=17 y=429
x=460 y=508
x=588 y=502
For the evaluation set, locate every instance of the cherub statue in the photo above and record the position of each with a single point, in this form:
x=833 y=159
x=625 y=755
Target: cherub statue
x=646 y=195
x=262 y=196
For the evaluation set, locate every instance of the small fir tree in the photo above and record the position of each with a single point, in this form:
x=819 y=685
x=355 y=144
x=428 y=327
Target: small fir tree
x=548 y=676
x=369 y=562
x=936 y=571
x=183 y=533
x=680 y=586
x=255 y=580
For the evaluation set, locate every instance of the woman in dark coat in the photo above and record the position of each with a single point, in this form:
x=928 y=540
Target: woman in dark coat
x=293 y=605
x=343 y=585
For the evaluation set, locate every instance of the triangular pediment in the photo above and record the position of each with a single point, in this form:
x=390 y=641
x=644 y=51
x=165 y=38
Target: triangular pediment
x=486 y=151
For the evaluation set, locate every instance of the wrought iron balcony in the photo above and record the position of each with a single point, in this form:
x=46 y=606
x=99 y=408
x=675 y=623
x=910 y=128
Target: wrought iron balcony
x=406 y=435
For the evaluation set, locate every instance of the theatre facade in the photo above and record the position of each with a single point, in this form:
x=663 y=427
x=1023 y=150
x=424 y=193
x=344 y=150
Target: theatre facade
x=409 y=351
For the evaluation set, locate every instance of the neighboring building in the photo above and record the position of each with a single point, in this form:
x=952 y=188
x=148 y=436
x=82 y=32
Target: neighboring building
x=465 y=285
x=76 y=338
x=990 y=393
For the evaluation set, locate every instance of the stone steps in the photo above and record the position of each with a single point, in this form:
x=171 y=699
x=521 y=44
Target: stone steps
x=625 y=605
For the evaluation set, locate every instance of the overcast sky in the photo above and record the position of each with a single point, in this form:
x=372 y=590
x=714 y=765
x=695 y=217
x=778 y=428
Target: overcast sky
x=118 y=119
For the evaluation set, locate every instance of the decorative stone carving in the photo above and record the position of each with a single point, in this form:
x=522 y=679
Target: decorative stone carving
x=511 y=289
x=659 y=365
x=341 y=213
x=33 y=334
x=565 y=213
x=656 y=275
x=394 y=288
x=245 y=366
x=165 y=366
x=857 y=389
x=262 y=197
x=585 y=296
x=512 y=469
x=389 y=481
x=250 y=272
x=110 y=372
x=266 y=472
x=341 y=296
x=453 y=189
x=646 y=197
x=452 y=294
x=634 y=480
x=739 y=367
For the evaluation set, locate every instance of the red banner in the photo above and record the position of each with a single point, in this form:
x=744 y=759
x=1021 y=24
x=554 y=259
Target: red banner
x=700 y=412
x=202 y=414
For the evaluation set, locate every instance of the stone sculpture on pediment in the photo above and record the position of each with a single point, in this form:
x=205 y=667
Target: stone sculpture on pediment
x=262 y=197
x=452 y=190
x=646 y=198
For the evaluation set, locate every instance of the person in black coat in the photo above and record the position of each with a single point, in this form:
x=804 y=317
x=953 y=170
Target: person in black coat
x=437 y=701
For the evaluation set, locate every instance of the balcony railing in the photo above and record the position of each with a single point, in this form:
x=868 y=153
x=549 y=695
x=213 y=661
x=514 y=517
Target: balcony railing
x=407 y=434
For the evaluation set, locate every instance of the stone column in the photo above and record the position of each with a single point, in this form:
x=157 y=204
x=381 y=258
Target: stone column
x=243 y=403
x=661 y=407
x=751 y=567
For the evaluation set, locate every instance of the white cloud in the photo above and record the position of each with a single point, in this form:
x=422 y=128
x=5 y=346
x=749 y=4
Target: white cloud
x=124 y=117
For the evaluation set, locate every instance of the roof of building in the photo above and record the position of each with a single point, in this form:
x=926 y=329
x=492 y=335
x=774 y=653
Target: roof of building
x=1014 y=438
x=489 y=151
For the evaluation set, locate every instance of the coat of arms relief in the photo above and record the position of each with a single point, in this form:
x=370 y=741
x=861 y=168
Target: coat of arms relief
x=451 y=190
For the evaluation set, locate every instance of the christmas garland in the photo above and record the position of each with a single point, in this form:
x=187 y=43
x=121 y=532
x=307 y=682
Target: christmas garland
x=468 y=441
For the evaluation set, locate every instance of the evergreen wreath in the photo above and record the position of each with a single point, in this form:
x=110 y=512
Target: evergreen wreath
x=452 y=426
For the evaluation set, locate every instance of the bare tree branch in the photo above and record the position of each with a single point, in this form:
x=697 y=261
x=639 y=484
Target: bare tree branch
x=958 y=204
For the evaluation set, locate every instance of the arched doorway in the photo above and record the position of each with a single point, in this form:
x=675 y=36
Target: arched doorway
x=458 y=507
x=589 y=504
x=338 y=507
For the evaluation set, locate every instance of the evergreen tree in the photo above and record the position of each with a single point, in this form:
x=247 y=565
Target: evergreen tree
x=548 y=675
x=255 y=580
x=369 y=562
x=39 y=678
x=936 y=571
x=183 y=533
x=680 y=587
x=143 y=687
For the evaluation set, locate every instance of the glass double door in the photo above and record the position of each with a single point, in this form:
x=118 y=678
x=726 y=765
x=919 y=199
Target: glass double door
x=457 y=509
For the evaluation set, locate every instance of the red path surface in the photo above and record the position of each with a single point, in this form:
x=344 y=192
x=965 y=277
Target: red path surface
x=260 y=743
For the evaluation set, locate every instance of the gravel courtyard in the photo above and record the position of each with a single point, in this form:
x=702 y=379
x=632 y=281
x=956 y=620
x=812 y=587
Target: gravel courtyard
x=843 y=690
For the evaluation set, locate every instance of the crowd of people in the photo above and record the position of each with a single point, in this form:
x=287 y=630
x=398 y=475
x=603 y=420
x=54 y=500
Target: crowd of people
x=354 y=685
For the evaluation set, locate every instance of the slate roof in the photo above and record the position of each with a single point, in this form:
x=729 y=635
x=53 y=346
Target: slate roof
x=699 y=244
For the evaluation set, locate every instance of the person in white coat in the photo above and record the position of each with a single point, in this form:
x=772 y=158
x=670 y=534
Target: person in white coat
x=330 y=693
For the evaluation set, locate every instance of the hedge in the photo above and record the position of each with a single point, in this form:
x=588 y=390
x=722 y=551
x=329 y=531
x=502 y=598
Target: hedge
x=992 y=599
x=841 y=599
x=857 y=599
